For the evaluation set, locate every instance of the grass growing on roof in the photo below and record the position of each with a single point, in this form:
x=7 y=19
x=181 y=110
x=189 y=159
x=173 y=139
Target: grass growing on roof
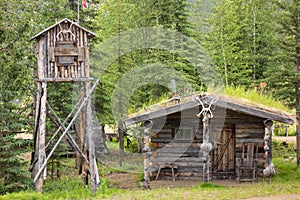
x=256 y=97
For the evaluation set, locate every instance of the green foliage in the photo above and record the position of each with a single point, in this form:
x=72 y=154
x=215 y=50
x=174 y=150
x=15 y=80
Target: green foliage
x=117 y=16
x=281 y=128
x=255 y=96
x=133 y=146
x=283 y=77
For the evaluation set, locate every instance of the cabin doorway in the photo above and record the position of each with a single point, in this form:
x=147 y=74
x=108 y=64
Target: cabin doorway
x=223 y=155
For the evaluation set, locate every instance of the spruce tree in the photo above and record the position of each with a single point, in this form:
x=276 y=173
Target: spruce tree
x=289 y=57
x=19 y=21
x=225 y=44
x=15 y=104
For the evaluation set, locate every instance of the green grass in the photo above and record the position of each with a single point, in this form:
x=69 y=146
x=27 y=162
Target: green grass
x=69 y=186
x=285 y=182
x=131 y=162
x=255 y=96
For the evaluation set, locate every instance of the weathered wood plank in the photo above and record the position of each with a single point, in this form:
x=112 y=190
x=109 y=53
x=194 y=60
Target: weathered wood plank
x=250 y=131
x=165 y=136
x=253 y=140
x=63 y=79
x=63 y=51
x=87 y=56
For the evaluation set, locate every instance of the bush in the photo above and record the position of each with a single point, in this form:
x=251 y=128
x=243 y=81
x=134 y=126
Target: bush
x=133 y=146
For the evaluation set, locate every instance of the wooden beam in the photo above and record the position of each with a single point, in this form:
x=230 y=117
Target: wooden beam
x=41 y=138
x=91 y=147
x=63 y=79
x=61 y=125
x=236 y=107
x=162 y=112
x=66 y=130
x=251 y=110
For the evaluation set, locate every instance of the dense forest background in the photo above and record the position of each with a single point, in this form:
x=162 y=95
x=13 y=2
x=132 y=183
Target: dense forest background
x=252 y=43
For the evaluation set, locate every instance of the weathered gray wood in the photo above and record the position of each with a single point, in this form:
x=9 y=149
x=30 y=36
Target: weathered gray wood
x=87 y=56
x=61 y=127
x=91 y=147
x=40 y=153
x=165 y=135
x=80 y=54
x=254 y=140
x=63 y=51
x=66 y=130
x=250 y=131
x=90 y=34
x=169 y=140
x=179 y=159
x=63 y=56
x=248 y=110
x=63 y=79
x=47 y=57
x=41 y=137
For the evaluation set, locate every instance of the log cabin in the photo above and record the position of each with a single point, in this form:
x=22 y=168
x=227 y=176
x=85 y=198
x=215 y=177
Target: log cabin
x=237 y=129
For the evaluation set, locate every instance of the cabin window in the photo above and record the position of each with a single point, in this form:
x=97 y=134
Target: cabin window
x=183 y=134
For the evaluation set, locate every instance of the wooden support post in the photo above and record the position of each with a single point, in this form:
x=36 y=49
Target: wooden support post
x=40 y=154
x=64 y=133
x=147 y=153
x=81 y=125
x=91 y=146
x=269 y=171
x=206 y=146
x=121 y=141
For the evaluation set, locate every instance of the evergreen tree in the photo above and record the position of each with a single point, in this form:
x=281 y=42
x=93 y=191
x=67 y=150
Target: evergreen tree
x=242 y=40
x=19 y=21
x=15 y=62
x=225 y=44
x=259 y=40
x=286 y=74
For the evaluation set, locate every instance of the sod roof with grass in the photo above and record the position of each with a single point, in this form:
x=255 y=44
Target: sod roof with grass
x=237 y=104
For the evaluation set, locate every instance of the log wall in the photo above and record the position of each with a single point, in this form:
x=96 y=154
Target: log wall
x=65 y=53
x=185 y=152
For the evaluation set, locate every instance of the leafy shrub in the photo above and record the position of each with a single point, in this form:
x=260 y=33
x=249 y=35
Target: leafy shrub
x=133 y=147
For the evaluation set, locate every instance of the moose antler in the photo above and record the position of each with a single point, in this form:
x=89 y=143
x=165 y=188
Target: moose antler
x=64 y=32
x=206 y=110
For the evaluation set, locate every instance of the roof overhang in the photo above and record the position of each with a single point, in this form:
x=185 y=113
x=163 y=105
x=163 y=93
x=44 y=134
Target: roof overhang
x=226 y=103
x=90 y=34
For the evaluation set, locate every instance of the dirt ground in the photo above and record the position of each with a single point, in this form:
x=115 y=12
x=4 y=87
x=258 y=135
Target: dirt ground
x=130 y=181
